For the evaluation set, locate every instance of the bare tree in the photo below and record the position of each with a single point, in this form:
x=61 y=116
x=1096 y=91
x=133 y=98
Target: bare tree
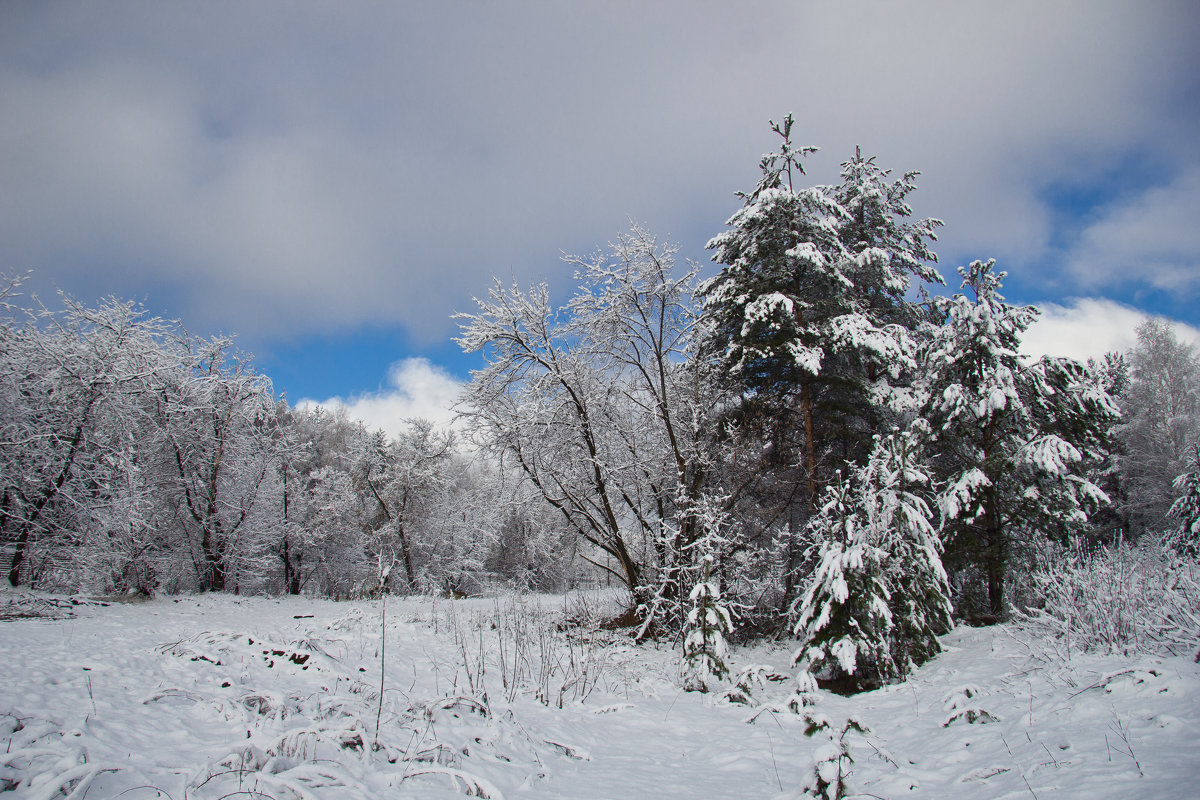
x=1160 y=410
x=600 y=406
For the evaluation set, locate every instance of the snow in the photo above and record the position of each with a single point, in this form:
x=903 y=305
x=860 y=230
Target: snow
x=215 y=696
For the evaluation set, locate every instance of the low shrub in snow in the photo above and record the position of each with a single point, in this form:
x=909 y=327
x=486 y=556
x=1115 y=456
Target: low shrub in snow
x=1124 y=599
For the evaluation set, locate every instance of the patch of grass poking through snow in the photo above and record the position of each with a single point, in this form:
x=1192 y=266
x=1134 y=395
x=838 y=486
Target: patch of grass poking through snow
x=40 y=762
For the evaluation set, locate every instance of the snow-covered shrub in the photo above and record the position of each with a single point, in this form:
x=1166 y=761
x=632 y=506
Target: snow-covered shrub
x=830 y=773
x=962 y=705
x=750 y=681
x=805 y=693
x=1123 y=599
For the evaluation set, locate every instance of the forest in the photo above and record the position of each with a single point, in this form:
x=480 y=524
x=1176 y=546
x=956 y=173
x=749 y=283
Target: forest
x=824 y=442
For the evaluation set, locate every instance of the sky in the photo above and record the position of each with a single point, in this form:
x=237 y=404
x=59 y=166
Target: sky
x=333 y=181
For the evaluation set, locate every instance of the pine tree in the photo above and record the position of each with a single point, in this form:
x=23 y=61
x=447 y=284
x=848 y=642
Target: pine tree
x=844 y=618
x=771 y=307
x=708 y=621
x=1006 y=437
x=812 y=311
x=894 y=486
x=1187 y=508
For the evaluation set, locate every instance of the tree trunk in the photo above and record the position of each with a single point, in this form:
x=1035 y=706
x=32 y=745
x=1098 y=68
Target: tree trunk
x=18 y=559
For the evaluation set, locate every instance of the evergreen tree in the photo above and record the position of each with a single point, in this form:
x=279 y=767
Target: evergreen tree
x=1002 y=437
x=1187 y=508
x=894 y=486
x=812 y=316
x=708 y=621
x=844 y=617
x=773 y=304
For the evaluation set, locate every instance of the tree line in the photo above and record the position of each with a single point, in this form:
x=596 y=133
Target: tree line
x=809 y=442
x=135 y=457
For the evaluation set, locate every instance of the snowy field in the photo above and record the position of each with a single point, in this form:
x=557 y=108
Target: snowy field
x=222 y=697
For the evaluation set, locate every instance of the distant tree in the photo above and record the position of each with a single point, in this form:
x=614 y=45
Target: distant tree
x=217 y=459
x=1160 y=423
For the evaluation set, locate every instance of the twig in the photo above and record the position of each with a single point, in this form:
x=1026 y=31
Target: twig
x=771 y=747
x=382 y=661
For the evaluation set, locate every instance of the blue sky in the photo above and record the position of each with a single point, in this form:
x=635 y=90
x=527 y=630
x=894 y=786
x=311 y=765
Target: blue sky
x=333 y=180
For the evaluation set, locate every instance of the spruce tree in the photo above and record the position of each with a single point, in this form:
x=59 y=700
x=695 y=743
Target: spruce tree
x=1186 y=509
x=708 y=621
x=707 y=625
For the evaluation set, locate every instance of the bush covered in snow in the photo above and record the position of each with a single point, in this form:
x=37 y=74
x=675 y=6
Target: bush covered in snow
x=1124 y=599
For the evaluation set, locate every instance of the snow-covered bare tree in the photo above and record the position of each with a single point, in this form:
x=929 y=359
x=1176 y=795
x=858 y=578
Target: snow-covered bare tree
x=1160 y=424
x=72 y=422
x=599 y=406
x=215 y=418
x=401 y=482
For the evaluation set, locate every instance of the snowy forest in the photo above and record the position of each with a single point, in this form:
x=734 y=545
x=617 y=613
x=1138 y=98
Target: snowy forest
x=824 y=441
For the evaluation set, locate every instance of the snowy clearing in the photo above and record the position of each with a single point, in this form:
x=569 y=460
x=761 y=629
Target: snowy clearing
x=216 y=696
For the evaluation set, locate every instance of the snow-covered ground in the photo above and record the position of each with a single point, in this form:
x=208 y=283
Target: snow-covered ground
x=220 y=697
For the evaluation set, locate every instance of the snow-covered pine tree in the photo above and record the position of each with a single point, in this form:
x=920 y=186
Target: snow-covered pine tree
x=999 y=449
x=1187 y=508
x=896 y=517
x=885 y=254
x=887 y=250
x=830 y=774
x=708 y=621
x=771 y=307
x=813 y=316
x=844 y=620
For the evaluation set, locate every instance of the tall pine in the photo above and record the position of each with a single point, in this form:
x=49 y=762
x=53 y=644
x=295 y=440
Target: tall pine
x=1007 y=439
x=813 y=316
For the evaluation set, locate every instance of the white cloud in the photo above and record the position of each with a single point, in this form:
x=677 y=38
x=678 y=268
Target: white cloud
x=1090 y=327
x=416 y=388
x=289 y=169
x=1153 y=238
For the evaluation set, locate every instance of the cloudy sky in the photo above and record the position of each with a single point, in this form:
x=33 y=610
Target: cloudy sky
x=332 y=181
